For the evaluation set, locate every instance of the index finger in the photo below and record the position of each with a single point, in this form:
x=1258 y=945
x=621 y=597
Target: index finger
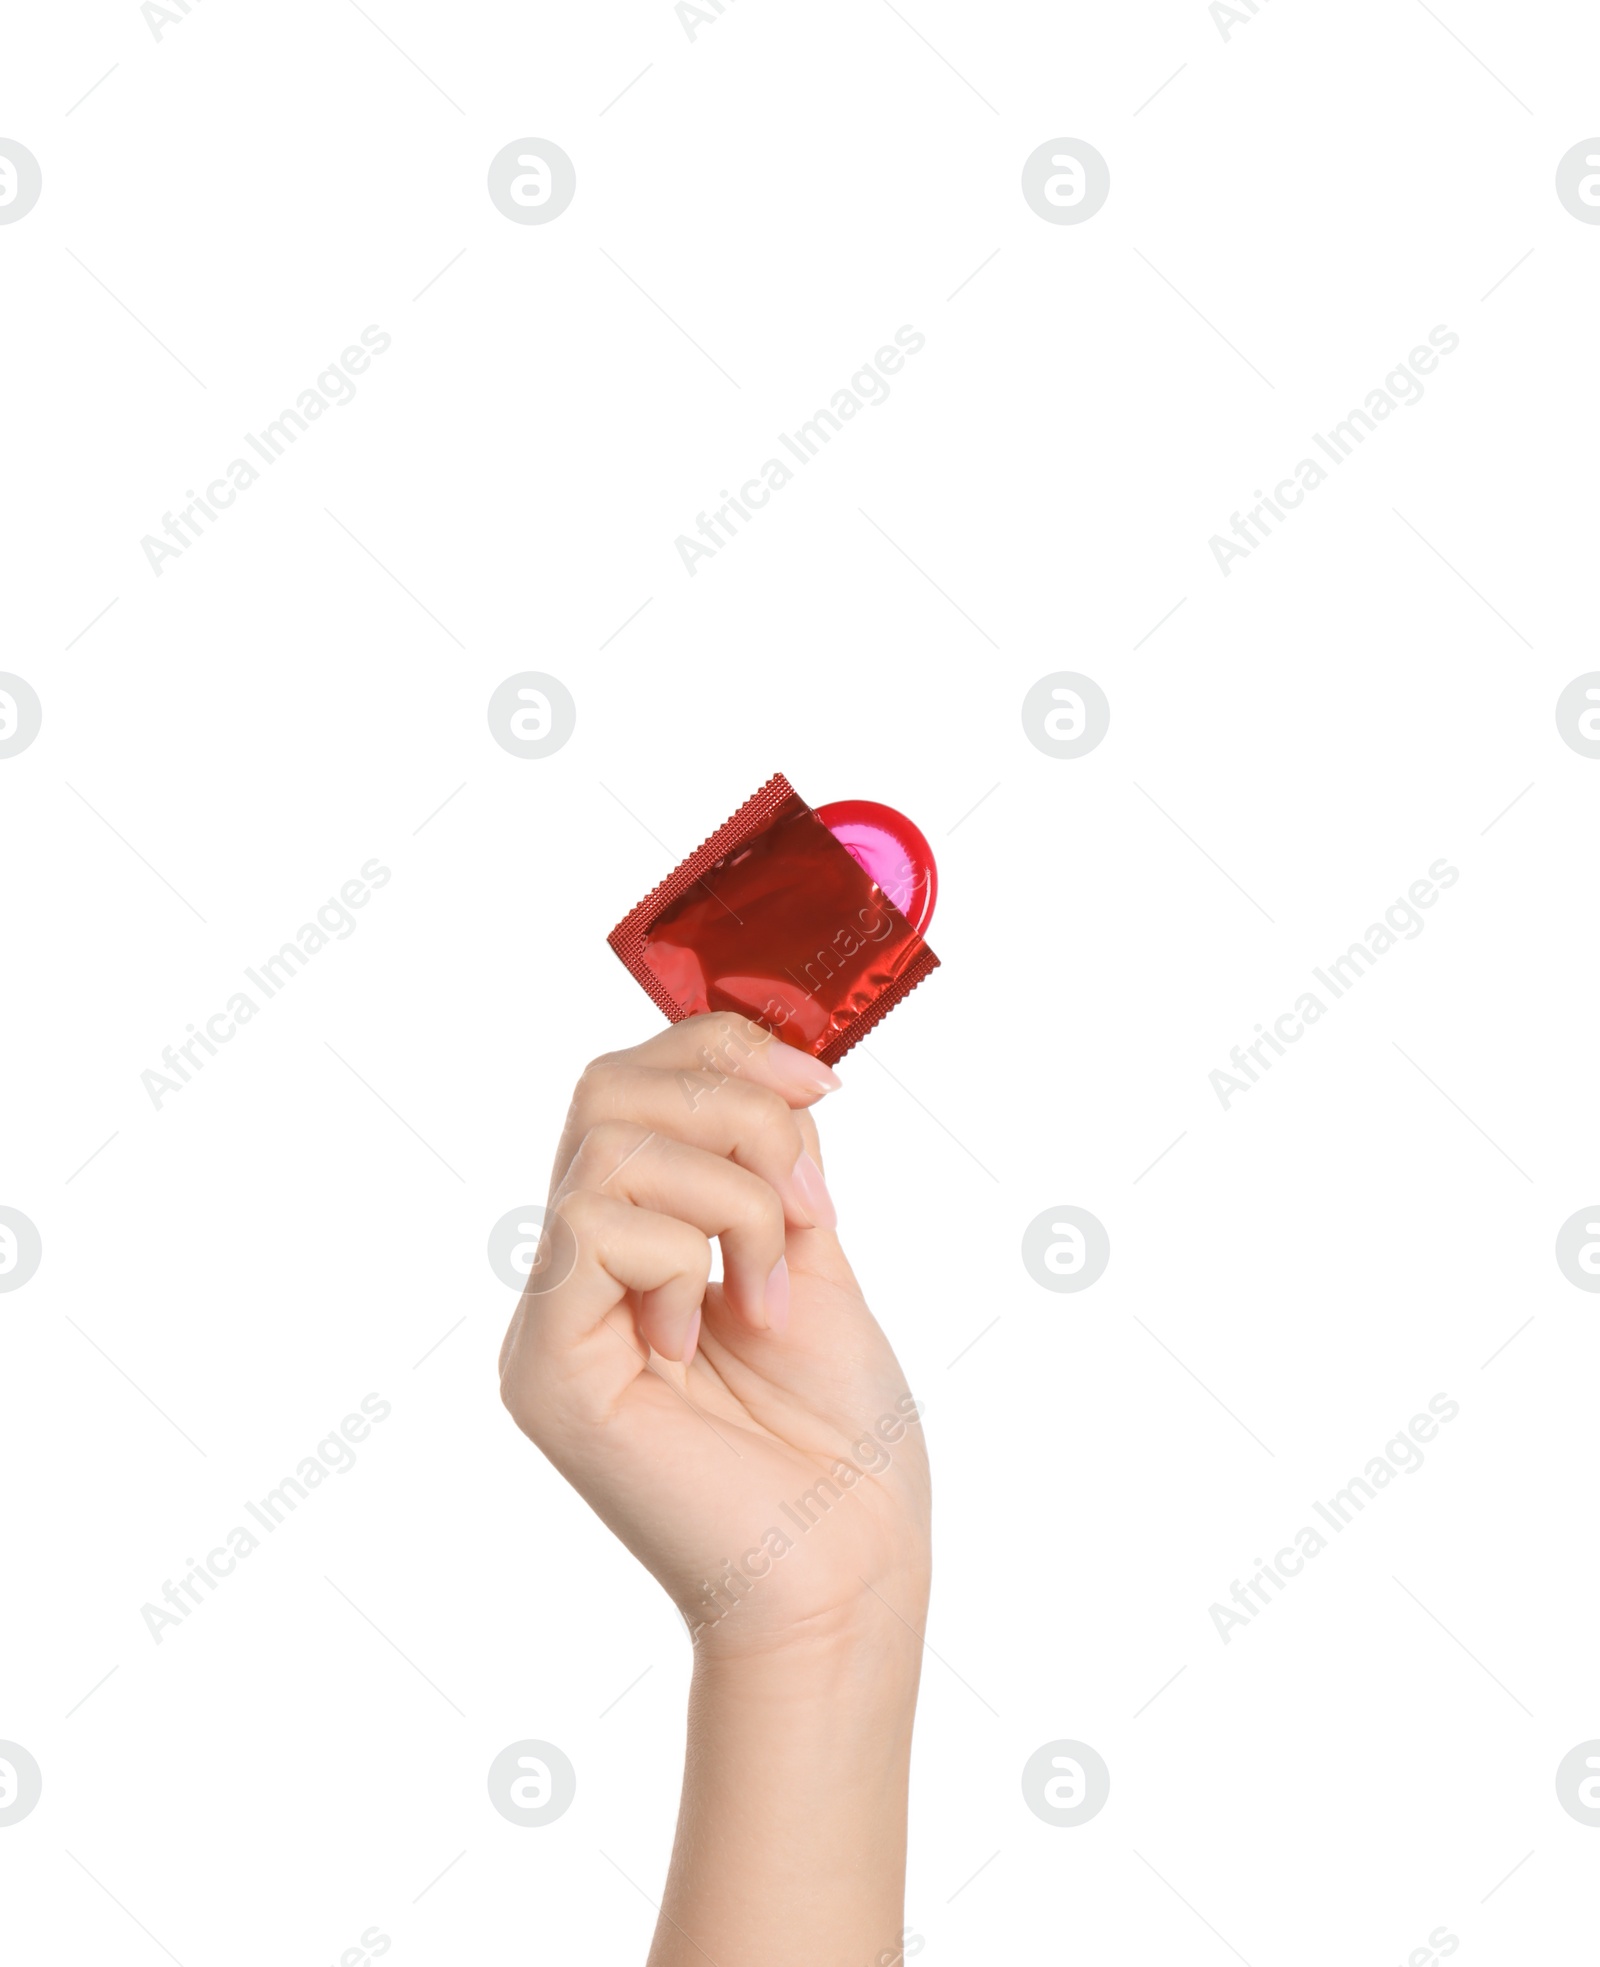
x=724 y=1042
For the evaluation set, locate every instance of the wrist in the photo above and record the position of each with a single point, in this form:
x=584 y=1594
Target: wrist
x=859 y=1669
x=873 y=1635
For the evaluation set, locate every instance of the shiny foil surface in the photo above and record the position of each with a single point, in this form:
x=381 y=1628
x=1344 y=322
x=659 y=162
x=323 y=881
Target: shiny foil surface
x=773 y=918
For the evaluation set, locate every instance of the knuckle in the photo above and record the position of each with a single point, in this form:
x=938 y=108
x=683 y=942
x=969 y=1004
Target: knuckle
x=729 y=1032
x=606 y=1144
x=583 y=1211
x=769 y=1121
x=697 y=1258
x=766 y=1218
x=595 y=1084
x=725 y=1042
x=756 y=1207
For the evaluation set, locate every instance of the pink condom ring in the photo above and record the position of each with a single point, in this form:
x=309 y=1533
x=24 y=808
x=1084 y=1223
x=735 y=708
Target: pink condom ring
x=891 y=850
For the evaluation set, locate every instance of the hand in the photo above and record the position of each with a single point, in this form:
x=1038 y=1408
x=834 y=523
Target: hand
x=753 y=1442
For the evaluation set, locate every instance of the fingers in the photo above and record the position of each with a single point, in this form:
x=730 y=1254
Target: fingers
x=701 y=1132
x=710 y=1051
x=717 y=1197
x=722 y=1043
x=567 y=1354
x=750 y=1124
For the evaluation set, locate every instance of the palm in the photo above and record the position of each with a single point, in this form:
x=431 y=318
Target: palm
x=730 y=1460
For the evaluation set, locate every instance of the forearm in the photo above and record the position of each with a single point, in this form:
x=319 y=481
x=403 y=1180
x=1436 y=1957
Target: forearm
x=791 y=1843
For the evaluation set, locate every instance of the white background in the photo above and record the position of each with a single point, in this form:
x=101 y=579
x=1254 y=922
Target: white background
x=230 y=741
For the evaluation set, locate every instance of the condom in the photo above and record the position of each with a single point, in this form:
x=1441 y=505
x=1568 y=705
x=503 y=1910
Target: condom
x=892 y=851
x=809 y=923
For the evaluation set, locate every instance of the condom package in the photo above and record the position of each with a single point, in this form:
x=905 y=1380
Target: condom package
x=809 y=922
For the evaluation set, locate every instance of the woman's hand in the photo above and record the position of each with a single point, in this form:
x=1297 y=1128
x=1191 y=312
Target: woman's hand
x=753 y=1441
x=754 y=1444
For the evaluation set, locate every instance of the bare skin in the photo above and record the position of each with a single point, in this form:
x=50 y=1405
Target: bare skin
x=698 y=1420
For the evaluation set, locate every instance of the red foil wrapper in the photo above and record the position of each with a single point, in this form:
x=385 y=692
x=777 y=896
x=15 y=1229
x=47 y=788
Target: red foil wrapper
x=773 y=918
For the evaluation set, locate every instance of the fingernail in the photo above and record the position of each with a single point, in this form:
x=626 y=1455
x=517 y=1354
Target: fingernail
x=813 y=1192
x=776 y=1299
x=694 y=1334
x=803 y=1070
